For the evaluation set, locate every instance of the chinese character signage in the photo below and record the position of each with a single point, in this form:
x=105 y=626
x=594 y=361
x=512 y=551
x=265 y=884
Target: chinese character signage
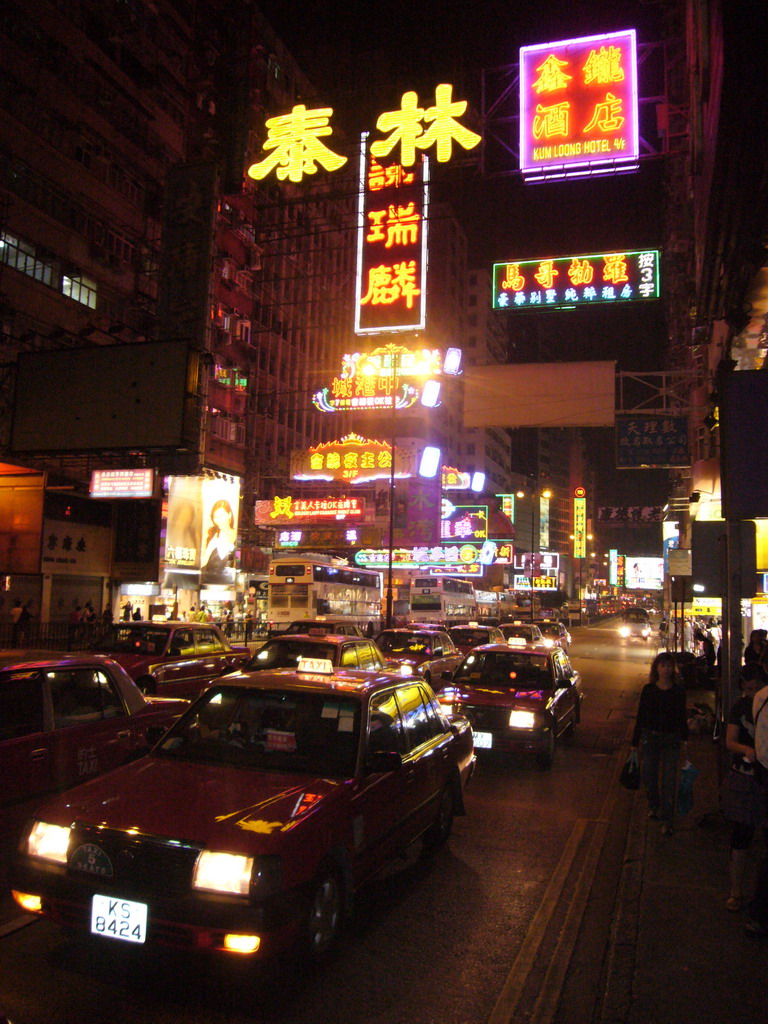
x=579 y=523
x=624 y=514
x=652 y=442
x=539 y=583
x=579 y=107
x=327 y=539
x=122 y=483
x=464 y=522
x=457 y=556
x=391 y=285
x=566 y=282
x=455 y=479
x=280 y=511
x=375 y=380
x=353 y=458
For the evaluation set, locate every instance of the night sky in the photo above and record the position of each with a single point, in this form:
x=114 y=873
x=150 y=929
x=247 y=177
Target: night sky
x=362 y=57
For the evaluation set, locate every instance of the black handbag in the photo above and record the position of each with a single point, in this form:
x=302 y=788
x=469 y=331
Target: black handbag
x=630 y=773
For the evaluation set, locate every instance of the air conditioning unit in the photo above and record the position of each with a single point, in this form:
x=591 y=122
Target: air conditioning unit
x=243 y=331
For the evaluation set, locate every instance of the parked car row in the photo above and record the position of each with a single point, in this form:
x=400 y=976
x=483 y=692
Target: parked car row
x=246 y=820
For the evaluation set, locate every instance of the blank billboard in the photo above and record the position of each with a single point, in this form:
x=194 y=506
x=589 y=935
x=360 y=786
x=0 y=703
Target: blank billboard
x=105 y=397
x=541 y=395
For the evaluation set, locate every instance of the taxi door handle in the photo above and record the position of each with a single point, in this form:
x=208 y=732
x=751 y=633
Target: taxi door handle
x=39 y=755
x=124 y=734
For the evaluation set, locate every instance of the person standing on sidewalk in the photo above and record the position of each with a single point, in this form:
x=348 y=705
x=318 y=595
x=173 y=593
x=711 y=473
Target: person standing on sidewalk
x=742 y=799
x=661 y=727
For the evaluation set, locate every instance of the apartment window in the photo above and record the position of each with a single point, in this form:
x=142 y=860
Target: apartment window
x=81 y=289
x=24 y=257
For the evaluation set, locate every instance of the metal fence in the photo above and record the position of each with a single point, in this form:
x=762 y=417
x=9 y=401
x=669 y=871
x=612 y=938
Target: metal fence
x=64 y=636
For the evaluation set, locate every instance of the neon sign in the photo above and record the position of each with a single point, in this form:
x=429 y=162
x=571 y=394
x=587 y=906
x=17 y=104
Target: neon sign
x=352 y=458
x=579 y=523
x=455 y=555
x=391 y=279
x=122 y=483
x=279 y=511
x=374 y=380
x=296 y=147
x=579 y=107
x=566 y=282
x=455 y=479
x=464 y=522
x=406 y=128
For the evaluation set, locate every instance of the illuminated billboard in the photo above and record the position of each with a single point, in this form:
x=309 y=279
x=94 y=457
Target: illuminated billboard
x=463 y=522
x=579 y=107
x=122 y=483
x=579 y=523
x=570 y=282
x=391 y=281
x=352 y=458
x=454 y=555
x=283 y=511
x=201 y=531
x=643 y=573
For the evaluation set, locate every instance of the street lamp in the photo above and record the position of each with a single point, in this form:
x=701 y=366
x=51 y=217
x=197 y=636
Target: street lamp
x=546 y=493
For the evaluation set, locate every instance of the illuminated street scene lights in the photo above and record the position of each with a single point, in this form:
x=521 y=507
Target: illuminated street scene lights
x=530 y=569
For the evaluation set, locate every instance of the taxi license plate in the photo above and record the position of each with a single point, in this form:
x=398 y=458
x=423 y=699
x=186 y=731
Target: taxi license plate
x=483 y=740
x=119 y=919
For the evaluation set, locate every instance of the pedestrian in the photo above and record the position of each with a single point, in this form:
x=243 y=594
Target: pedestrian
x=127 y=609
x=754 y=649
x=742 y=798
x=137 y=614
x=73 y=627
x=757 y=925
x=25 y=621
x=15 y=616
x=106 y=617
x=661 y=727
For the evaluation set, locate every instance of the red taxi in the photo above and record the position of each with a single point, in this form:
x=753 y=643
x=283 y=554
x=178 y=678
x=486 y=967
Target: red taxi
x=473 y=635
x=519 y=699
x=172 y=658
x=257 y=816
x=64 y=721
x=427 y=652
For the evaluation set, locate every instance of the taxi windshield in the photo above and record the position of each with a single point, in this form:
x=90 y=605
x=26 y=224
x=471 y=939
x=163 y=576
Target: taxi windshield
x=549 y=629
x=273 y=730
x=132 y=640
x=505 y=669
x=469 y=637
x=404 y=643
x=286 y=653
x=523 y=632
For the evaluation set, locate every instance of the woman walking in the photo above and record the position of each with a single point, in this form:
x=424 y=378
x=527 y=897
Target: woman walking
x=660 y=729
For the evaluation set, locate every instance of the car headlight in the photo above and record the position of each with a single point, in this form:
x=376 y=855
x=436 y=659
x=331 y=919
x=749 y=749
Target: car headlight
x=49 y=842
x=522 y=719
x=646 y=631
x=548 y=641
x=624 y=631
x=223 y=872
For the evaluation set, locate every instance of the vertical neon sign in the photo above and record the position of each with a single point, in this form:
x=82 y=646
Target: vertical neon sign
x=391 y=284
x=579 y=523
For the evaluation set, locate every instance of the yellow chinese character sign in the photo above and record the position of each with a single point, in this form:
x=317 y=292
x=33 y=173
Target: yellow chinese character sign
x=354 y=459
x=391 y=284
x=579 y=106
x=296 y=149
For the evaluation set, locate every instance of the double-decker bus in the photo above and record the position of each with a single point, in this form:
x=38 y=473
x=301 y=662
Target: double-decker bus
x=312 y=587
x=444 y=599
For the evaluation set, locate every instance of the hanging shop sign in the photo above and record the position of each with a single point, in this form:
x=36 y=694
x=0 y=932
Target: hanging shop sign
x=488 y=553
x=122 y=483
x=391 y=280
x=570 y=282
x=329 y=539
x=391 y=374
x=353 y=458
x=295 y=148
x=652 y=442
x=625 y=514
x=579 y=107
x=280 y=511
x=463 y=522
x=201 y=531
x=539 y=583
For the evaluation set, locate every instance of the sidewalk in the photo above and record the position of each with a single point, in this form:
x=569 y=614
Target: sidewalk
x=676 y=955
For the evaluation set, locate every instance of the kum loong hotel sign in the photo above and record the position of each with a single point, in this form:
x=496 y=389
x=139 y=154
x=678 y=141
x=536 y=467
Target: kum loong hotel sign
x=579 y=107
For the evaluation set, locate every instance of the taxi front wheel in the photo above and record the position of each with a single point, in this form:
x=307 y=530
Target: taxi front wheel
x=324 y=915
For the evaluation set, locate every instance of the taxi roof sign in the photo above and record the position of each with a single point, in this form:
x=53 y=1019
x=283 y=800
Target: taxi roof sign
x=318 y=666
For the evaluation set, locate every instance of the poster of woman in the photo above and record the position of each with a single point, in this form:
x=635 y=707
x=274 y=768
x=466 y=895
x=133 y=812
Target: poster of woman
x=221 y=504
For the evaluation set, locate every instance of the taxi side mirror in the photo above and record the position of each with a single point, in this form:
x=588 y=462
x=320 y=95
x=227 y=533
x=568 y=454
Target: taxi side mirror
x=384 y=761
x=174 y=652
